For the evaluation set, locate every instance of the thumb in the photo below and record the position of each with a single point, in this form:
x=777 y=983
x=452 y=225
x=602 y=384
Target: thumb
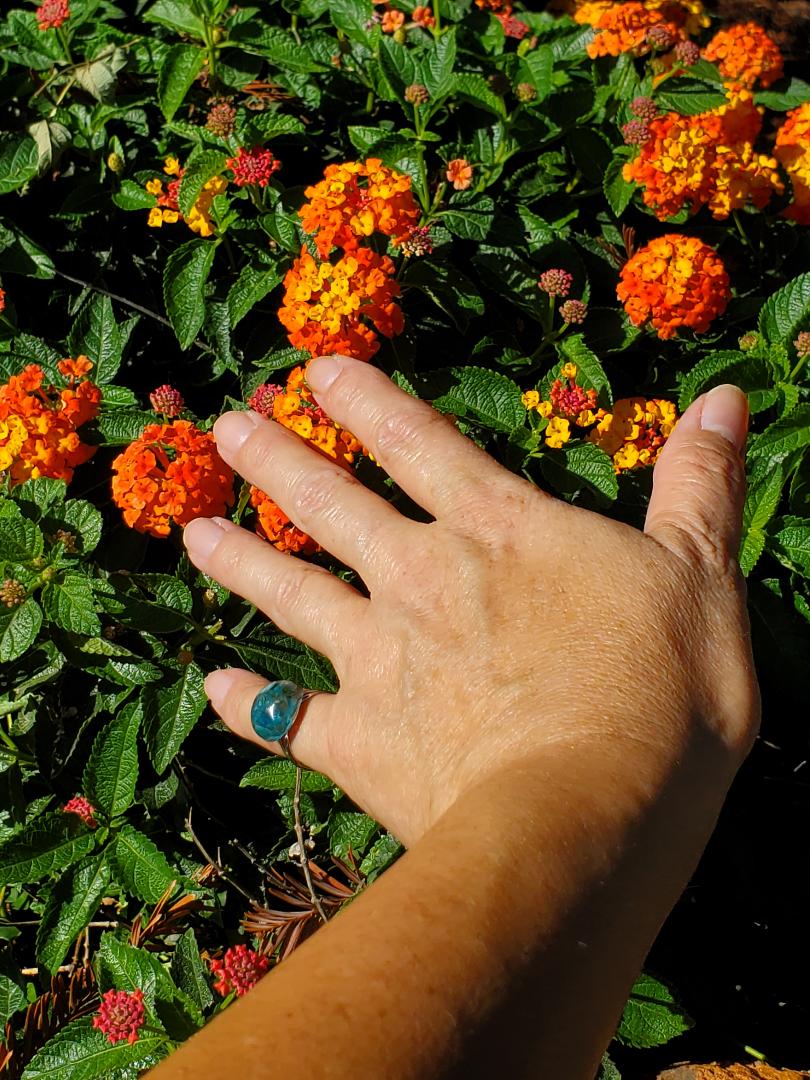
x=699 y=479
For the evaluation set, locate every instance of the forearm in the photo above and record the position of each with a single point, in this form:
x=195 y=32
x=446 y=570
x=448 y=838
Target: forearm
x=509 y=934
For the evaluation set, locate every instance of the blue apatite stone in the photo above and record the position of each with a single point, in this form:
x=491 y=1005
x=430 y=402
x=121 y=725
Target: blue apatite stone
x=275 y=708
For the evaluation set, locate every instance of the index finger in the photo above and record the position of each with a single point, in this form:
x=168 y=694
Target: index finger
x=418 y=447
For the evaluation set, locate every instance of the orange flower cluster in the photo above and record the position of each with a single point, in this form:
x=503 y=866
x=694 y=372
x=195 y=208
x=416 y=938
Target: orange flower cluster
x=680 y=17
x=38 y=423
x=705 y=160
x=567 y=403
x=295 y=408
x=169 y=475
x=793 y=151
x=623 y=28
x=166 y=210
x=355 y=200
x=633 y=435
x=674 y=281
x=745 y=54
x=2 y=301
x=325 y=304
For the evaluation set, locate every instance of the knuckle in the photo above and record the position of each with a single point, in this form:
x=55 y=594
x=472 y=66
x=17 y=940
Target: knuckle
x=255 y=454
x=406 y=430
x=315 y=492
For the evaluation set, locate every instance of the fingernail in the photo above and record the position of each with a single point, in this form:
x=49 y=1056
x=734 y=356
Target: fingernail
x=218 y=686
x=232 y=429
x=201 y=537
x=725 y=411
x=321 y=373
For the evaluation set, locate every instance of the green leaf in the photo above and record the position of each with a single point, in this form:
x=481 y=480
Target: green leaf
x=618 y=191
x=132 y=196
x=85 y=521
x=69 y=603
x=278 y=47
x=608 y=1071
x=142 y=868
x=590 y=372
x=470 y=218
x=284 y=658
x=189 y=972
x=399 y=64
x=652 y=1016
x=791 y=544
x=81 y=1052
x=112 y=769
x=119 y=427
x=12 y=992
x=197 y=173
x=783 y=437
x=252 y=285
x=69 y=907
x=580 y=465
x=51 y=138
x=126 y=967
x=765 y=484
x=783 y=314
x=171 y=713
x=18 y=629
x=486 y=397
x=276 y=774
x=381 y=854
x=184 y=279
x=437 y=65
x=689 y=97
x=20 y=539
x=177 y=15
x=349 y=831
x=447 y=287
x=540 y=63
x=99 y=77
x=19 y=159
x=476 y=89
x=270 y=124
x=95 y=334
x=782 y=97
x=46 y=846
x=181 y=66
x=710 y=367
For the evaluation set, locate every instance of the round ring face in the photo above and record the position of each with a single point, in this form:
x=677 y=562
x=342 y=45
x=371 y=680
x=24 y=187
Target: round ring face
x=275 y=708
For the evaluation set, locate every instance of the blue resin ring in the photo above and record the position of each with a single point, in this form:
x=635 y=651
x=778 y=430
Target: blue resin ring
x=275 y=709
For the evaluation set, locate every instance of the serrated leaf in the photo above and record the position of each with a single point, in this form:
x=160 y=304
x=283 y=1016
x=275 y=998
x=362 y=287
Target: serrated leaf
x=437 y=65
x=488 y=397
x=782 y=438
x=277 y=46
x=171 y=713
x=12 y=992
x=19 y=158
x=84 y=521
x=252 y=285
x=447 y=287
x=99 y=77
x=283 y=658
x=580 y=465
x=652 y=1016
x=20 y=539
x=380 y=855
x=184 y=279
x=198 y=171
x=761 y=502
x=51 y=138
x=476 y=89
x=69 y=907
x=112 y=769
x=399 y=64
x=349 y=832
x=618 y=191
x=132 y=196
x=18 y=629
x=81 y=1052
x=784 y=313
x=189 y=972
x=540 y=63
x=181 y=66
x=590 y=373
x=177 y=15
x=276 y=774
x=95 y=334
x=119 y=427
x=689 y=97
x=46 y=846
x=142 y=868
x=125 y=967
x=780 y=98
x=791 y=544
x=470 y=218
x=68 y=602
x=608 y=1071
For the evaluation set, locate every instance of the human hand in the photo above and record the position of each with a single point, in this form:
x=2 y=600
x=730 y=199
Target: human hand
x=511 y=624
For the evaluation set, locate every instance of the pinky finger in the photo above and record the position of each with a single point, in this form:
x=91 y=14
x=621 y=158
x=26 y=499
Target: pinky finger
x=232 y=692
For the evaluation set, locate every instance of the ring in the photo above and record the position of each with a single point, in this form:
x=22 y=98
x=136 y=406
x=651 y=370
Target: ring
x=274 y=711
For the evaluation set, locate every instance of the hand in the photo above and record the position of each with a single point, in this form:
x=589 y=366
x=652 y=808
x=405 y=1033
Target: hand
x=511 y=624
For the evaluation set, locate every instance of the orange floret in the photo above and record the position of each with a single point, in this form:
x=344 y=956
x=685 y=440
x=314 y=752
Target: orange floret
x=170 y=475
x=623 y=28
x=327 y=306
x=273 y=524
x=355 y=200
x=793 y=151
x=674 y=281
x=705 y=160
x=745 y=54
x=634 y=433
x=38 y=423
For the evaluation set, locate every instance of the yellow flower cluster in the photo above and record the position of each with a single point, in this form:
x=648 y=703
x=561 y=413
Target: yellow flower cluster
x=167 y=211
x=633 y=435
x=567 y=403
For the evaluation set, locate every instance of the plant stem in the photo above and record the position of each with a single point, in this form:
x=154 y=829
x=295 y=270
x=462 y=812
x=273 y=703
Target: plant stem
x=437 y=17
x=302 y=851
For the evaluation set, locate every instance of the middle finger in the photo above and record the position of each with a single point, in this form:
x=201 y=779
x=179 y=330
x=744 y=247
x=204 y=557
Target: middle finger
x=320 y=497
